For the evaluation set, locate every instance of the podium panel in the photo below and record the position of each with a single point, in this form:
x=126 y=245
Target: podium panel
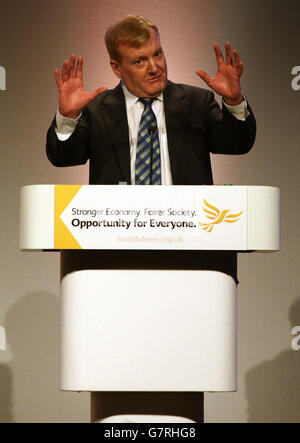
x=154 y=330
x=95 y=217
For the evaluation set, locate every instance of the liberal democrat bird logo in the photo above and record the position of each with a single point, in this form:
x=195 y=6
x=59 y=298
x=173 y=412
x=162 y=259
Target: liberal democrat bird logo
x=213 y=213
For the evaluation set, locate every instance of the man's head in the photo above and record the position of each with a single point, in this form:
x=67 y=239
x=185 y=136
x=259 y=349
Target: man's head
x=136 y=56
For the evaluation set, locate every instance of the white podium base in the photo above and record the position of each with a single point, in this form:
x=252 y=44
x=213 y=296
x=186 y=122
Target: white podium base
x=133 y=330
x=132 y=418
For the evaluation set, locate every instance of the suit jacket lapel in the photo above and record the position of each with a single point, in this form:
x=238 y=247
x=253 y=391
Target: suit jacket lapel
x=175 y=103
x=115 y=117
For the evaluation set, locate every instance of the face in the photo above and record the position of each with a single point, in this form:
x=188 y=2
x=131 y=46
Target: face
x=143 y=69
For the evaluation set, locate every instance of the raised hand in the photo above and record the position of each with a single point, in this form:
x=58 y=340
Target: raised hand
x=72 y=95
x=227 y=80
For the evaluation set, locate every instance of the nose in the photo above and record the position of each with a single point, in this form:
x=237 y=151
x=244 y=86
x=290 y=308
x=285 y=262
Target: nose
x=152 y=66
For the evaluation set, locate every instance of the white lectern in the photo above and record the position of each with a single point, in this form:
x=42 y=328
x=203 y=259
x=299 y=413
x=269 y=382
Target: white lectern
x=148 y=299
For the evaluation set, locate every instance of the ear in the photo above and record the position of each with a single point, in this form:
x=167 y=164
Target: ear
x=115 y=66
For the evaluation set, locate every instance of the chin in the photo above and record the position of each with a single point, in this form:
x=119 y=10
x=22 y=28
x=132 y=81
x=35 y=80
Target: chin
x=157 y=90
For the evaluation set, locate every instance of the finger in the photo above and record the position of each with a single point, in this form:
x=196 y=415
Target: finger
x=236 y=56
x=240 y=69
x=204 y=76
x=65 y=71
x=100 y=90
x=72 y=66
x=79 y=67
x=97 y=92
x=229 y=58
x=219 y=55
x=57 y=78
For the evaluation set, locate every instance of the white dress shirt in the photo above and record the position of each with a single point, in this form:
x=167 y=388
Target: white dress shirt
x=134 y=113
x=65 y=127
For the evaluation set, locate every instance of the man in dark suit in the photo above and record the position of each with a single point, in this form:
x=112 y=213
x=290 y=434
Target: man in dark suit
x=102 y=126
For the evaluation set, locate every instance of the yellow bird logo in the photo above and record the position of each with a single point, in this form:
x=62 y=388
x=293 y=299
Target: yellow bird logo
x=213 y=213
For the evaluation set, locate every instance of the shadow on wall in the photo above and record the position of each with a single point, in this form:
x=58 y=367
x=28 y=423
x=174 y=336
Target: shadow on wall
x=273 y=387
x=30 y=380
x=6 y=415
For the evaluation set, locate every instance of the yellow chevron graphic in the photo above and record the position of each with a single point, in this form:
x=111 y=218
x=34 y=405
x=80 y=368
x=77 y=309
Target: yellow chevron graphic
x=63 y=238
x=213 y=213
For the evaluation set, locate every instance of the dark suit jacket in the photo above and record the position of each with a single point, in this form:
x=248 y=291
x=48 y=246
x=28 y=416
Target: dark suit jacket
x=195 y=124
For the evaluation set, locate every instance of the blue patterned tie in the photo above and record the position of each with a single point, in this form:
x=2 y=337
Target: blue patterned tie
x=143 y=174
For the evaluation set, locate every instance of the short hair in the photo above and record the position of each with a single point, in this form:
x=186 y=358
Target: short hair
x=132 y=30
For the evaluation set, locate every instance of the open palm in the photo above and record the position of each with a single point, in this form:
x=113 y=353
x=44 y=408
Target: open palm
x=72 y=95
x=227 y=80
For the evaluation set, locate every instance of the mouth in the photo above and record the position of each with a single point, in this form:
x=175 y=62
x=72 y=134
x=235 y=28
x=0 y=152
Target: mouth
x=154 y=79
